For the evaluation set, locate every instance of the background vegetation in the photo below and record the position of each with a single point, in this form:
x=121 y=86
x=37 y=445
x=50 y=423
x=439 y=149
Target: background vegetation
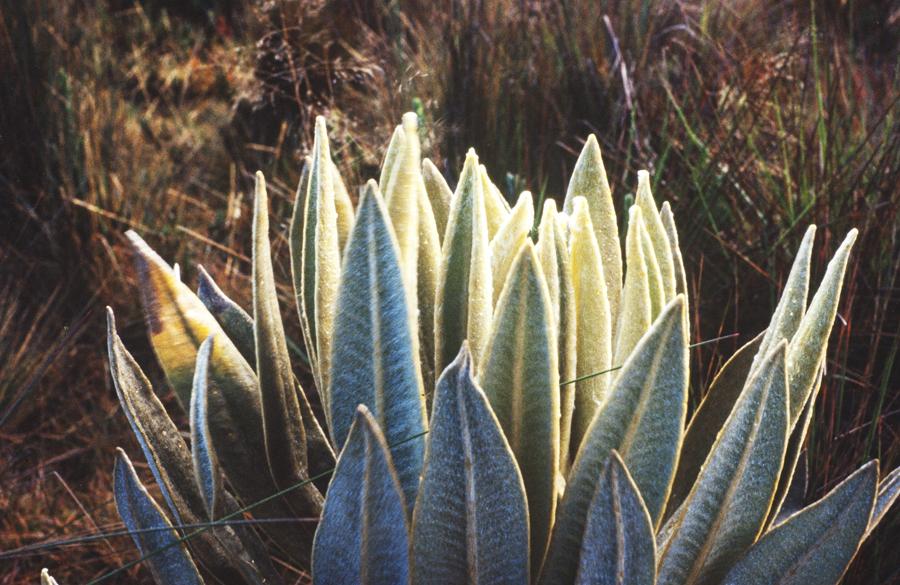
x=755 y=119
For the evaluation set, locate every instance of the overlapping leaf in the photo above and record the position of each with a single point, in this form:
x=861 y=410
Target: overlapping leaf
x=470 y=523
x=520 y=378
x=363 y=536
x=509 y=239
x=375 y=358
x=635 y=308
x=439 y=193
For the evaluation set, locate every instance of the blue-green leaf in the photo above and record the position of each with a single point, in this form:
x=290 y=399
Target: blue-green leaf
x=470 y=523
x=643 y=420
x=888 y=492
x=375 y=358
x=520 y=378
x=727 y=507
x=618 y=546
x=815 y=545
x=363 y=536
x=170 y=563
x=206 y=462
x=235 y=321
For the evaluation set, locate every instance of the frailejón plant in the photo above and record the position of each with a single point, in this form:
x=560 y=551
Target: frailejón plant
x=507 y=404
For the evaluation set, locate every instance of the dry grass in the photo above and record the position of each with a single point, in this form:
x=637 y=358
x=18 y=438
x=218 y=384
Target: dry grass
x=754 y=119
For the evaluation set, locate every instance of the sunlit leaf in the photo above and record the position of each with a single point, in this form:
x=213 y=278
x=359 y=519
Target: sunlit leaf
x=429 y=268
x=589 y=181
x=495 y=205
x=520 y=378
x=235 y=321
x=463 y=306
x=635 y=310
x=593 y=322
x=662 y=248
x=509 y=239
x=642 y=420
x=343 y=207
x=888 y=492
x=727 y=507
x=668 y=221
x=440 y=195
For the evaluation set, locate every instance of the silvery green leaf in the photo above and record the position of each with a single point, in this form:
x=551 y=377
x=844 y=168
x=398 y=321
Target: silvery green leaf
x=806 y=354
x=343 y=206
x=593 y=322
x=662 y=249
x=635 y=308
x=553 y=251
x=654 y=273
x=727 y=507
x=815 y=545
x=439 y=195
x=589 y=181
x=206 y=463
x=316 y=258
x=295 y=241
x=495 y=206
x=617 y=547
x=464 y=292
x=792 y=304
x=168 y=560
x=506 y=244
x=709 y=418
x=401 y=195
x=470 y=521
x=668 y=220
x=642 y=420
x=223 y=551
x=391 y=156
x=285 y=435
x=363 y=536
x=521 y=381
x=888 y=492
x=796 y=493
x=429 y=258
x=375 y=358
x=235 y=321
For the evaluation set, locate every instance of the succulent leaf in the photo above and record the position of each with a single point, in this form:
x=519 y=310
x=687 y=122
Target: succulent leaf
x=618 y=546
x=439 y=193
x=235 y=321
x=285 y=435
x=727 y=507
x=506 y=244
x=589 y=181
x=168 y=560
x=363 y=536
x=654 y=273
x=636 y=308
x=464 y=292
x=495 y=205
x=470 y=522
x=553 y=251
x=375 y=357
x=643 y=420
x=656 y=230
x=401 y=195
x=668 y=221
x=343 y=206
x=815 y=545
x=520 y=378
x=806 y=353
x=709 y=418
x=429 y=259
x=593 y=321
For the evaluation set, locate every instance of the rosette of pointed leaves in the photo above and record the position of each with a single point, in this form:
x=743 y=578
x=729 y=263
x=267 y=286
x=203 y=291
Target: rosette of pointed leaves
x=508 y=401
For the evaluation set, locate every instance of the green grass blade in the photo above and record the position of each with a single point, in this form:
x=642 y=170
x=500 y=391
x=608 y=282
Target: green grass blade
x=727 y=507
x=815 y=545
x=375 y=356
x=363 y=536
x=470 y=523
x=520 y=378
